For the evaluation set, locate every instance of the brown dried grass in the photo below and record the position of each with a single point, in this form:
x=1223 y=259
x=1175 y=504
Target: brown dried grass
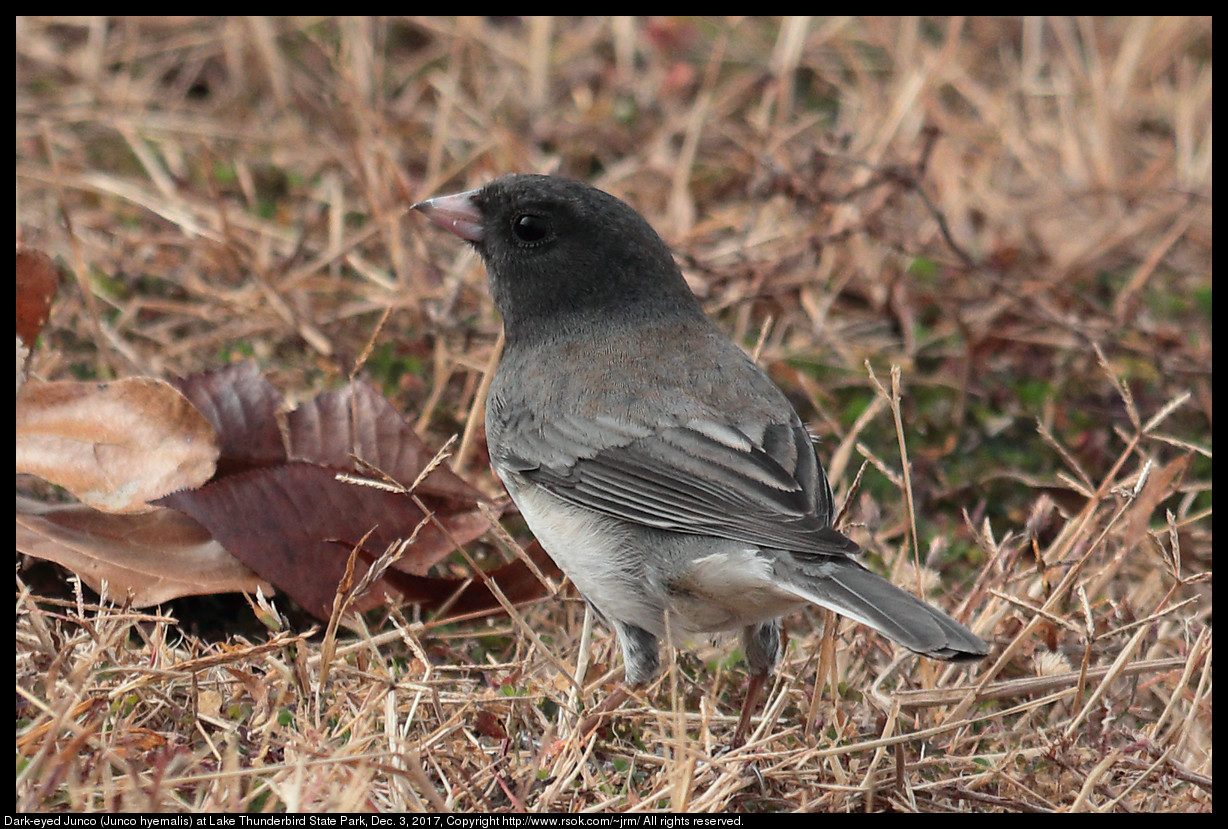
x=993 y=205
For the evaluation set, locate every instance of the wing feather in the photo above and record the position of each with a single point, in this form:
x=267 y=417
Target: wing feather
x=701 y=478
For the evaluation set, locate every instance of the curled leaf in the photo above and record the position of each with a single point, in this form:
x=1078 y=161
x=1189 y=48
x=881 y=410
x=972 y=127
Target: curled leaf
x=117 y=445
x=152 y=556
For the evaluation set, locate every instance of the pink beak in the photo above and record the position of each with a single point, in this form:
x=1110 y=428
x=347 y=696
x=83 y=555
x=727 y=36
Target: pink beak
x=458 y=213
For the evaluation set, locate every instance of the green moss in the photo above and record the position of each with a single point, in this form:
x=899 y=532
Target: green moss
x=389 y=362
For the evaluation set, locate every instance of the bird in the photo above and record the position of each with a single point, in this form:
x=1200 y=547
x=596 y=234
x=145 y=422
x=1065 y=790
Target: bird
x=661 y=469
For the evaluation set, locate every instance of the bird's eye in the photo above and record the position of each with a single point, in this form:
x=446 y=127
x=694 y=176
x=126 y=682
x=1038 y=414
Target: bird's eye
x=530 y=228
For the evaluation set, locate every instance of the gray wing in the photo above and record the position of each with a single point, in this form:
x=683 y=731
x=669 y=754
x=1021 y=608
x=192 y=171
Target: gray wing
x=698 y=478
x=705 y=478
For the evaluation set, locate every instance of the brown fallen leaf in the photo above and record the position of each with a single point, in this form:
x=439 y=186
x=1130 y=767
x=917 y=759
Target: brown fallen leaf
x=516 y=580
x=152 y=556
x=116 y=446
x=37 y=280
x=488 y=725
x=358 y=422
x=295 y=525
x=285 y=514
x=242 y=407
x=1156 y=489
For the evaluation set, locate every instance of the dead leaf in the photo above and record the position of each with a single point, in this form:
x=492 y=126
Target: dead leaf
x=132 y=742
x=153 y=556
x=357 y=421
x=1160 y=485
x=37 y=280
x=296 y=524
x=242 y=406
x=516 y=580
x=488 y=725
x=286 y=516
x=116 y=446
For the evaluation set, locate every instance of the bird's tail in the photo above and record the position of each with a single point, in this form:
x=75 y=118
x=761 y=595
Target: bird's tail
x=851 y=590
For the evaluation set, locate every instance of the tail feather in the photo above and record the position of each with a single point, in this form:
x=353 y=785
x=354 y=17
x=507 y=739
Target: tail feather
x=844 y=586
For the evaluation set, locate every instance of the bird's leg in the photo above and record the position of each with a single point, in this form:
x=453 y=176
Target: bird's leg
x=640 y=658
x=761 y=644
x=753 y=690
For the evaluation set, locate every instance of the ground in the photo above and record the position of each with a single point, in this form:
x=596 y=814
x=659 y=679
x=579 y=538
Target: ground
x=976 y=253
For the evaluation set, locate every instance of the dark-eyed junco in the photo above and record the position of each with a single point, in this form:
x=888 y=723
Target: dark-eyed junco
x=656 y=463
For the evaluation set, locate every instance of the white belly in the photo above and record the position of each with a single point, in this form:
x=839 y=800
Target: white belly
x=595 y=555
x=707 y=585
